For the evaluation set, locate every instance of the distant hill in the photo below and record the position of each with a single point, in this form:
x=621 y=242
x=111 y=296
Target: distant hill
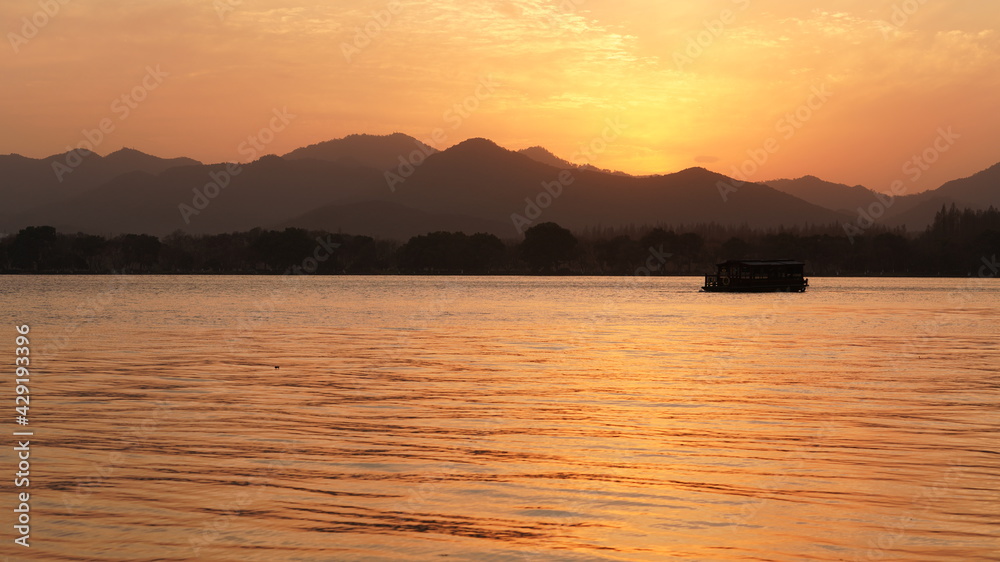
x=479 y=178
x=26 y=183
x=473 y=186
x=374 y=151
x=978 y=191
x=540 y=154
x=384 y=219
x=915 y=212
x=265 y=192
x=829 y=195
x=128 y=160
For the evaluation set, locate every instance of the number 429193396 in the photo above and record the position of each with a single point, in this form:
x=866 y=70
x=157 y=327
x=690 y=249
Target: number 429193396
x=22 y=374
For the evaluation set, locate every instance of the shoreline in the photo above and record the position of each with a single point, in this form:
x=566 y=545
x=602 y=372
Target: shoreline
x=244 y=274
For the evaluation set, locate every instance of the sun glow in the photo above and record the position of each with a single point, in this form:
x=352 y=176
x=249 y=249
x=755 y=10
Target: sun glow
x=702 y=85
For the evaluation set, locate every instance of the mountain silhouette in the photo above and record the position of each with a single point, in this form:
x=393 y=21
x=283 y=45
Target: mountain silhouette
x=540 y=154
x=359 y=185
x=131 y=160
x=264 y=192
x=478 y=178
x=384 y=219
x=978 y=191
x=829 y=195
x=543 y=155
x=379 y=152
x=26 y=183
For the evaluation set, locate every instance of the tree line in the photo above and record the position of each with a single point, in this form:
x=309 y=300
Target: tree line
x=956 y=244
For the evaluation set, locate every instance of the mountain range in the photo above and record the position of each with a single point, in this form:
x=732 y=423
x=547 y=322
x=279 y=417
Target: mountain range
x=396 y=186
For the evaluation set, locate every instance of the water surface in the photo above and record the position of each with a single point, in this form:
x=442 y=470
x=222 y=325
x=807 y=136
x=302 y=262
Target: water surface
x=465 y=418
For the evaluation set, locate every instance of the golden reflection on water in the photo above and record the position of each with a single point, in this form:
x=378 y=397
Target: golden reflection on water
x=510 y=419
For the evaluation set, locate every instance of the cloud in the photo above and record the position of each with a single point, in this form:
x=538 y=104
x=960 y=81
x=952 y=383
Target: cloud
x=563 y=66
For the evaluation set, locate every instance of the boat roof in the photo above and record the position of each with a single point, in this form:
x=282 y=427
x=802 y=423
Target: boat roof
x=762 y=262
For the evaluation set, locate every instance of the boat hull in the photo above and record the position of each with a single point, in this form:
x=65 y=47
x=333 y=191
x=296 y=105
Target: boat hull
x=755 y=289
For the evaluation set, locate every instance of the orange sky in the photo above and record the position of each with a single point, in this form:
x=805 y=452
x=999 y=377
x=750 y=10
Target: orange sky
x=684 y=83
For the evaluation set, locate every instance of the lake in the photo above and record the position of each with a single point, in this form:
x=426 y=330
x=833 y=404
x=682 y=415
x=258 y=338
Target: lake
x=506 y=418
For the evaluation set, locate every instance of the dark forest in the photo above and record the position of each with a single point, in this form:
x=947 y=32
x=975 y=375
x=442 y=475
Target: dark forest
x=959 y=243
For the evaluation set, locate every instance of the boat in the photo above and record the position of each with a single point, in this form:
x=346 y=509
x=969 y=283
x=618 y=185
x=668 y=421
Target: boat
x=757 y=276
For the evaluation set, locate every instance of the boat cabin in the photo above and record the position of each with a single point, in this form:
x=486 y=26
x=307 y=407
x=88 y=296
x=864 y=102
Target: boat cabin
x=757 y=276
